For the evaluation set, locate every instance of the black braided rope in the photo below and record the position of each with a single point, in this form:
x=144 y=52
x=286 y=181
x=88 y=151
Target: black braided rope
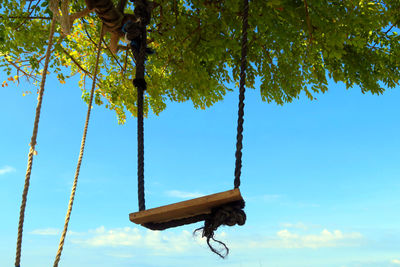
x=140 y=83
x=140 y=155
x=239 y=136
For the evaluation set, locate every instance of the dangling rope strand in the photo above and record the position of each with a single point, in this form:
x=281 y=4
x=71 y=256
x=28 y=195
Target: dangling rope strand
x=78 y=167
x=33 y=144
x=239 y=136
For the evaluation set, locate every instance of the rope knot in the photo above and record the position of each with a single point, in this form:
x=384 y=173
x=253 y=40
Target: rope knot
x=229 y=214
x=133 y=36
x=140 y=83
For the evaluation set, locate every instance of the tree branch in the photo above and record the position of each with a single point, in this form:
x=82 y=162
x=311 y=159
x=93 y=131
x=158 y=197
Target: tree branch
x=309 y=25
x=21 y=17
x=78 y=15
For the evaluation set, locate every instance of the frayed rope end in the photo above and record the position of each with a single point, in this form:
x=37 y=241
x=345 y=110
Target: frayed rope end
x=229 y=214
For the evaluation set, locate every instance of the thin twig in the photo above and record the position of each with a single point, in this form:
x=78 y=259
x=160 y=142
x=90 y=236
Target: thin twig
x=30 y=13
x=21 y=70
x=112 y=54
x=21 y=17
x=125 y=61
x=87 y=33
x=76 y=62
x=391 y=27
x=29 y=6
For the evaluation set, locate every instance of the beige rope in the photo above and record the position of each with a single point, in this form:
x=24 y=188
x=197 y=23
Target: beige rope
x=78 y=167
x=33 y=144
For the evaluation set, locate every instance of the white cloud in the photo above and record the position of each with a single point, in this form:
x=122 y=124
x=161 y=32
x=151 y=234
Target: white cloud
x=170 y=242
x=182 y=194
x=291 y=240
x=156 y=241
x=161 y=242
x=6 y=169
x=73 y=233
x=121 y=237
x=47 y=231
x=396 y=261
x=115 y=237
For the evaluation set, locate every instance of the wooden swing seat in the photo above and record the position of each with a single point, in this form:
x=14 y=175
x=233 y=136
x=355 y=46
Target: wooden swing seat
x=185 y=209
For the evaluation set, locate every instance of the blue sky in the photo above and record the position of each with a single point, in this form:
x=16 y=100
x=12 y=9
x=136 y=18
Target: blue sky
x=320 y=179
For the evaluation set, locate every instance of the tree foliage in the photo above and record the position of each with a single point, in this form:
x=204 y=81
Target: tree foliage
x=294 y=46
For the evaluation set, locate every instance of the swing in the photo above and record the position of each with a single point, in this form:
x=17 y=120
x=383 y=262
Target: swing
x=185 y=209
x=225 y=208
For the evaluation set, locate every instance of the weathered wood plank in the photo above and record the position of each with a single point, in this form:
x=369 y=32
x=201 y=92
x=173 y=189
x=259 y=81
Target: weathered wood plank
x=185 y=209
